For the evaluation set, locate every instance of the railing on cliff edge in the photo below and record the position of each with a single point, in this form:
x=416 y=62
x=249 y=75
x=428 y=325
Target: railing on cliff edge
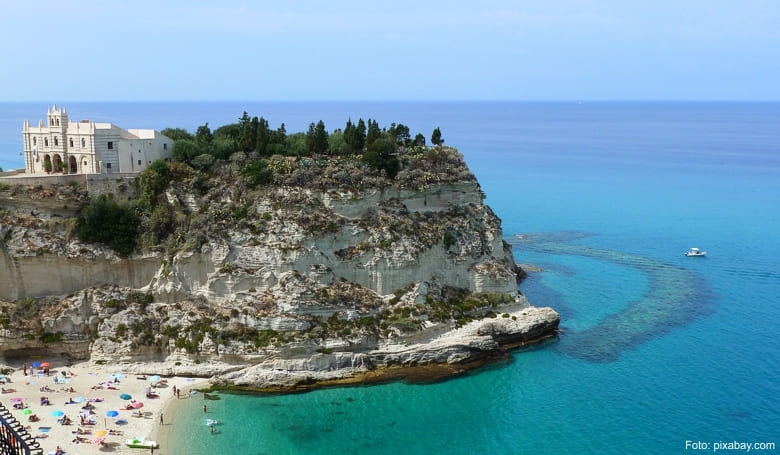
x=14 y=439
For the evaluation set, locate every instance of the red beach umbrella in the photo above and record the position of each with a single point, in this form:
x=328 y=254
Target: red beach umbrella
x=138 y=405
x=45 y=364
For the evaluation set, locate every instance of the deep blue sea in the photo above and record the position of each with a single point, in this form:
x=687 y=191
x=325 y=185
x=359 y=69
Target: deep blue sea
x=656 y=349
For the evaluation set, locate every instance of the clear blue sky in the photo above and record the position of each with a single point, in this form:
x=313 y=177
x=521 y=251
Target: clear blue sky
x=400 y=50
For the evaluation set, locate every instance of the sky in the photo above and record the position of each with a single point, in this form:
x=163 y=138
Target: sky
x=378 y=50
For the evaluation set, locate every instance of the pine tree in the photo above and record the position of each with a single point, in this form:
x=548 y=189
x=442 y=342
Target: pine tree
x=359 y=137
x=320 y=138
x=374 y=132
x=436 y=138
x=349 y=132
x=310 y=139
x=263 y=136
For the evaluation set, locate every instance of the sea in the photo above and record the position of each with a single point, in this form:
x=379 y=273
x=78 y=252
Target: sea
x=658 y=353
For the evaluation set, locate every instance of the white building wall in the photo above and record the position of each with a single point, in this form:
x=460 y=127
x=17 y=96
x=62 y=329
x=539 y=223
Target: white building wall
x=108 y=158
x=95 y=147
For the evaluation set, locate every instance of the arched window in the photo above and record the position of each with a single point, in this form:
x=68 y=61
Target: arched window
x=58 y=122
x=46 y=141
x=35 y=141
x=71 y=142
x=56 y=141
x=83 y=142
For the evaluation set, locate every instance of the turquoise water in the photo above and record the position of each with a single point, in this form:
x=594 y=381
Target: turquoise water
x=655 y=348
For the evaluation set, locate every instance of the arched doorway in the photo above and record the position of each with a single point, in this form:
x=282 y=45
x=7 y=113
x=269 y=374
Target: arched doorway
x=56 y=163
x=73 y=165
x=47 y=163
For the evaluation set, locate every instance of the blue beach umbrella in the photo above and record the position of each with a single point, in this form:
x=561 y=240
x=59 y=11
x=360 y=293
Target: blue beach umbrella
x=57 y=413
x=154 y=378
x=36 y=364
x=125 y=396
x=112 y=413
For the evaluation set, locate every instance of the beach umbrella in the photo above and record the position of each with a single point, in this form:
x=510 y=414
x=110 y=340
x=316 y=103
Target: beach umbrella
x=121 y=422
x=125 y=396
x=112 y=413
x=36 y=364
x=138 y=405
x=79 y=399
x=27 y=411
x=45 y=364
x=99 y=440
x=101 y=433
x=155 y=378
x=16 y=400
x=57 y=413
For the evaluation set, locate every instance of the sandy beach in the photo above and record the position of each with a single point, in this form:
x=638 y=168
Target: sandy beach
x=103 y=388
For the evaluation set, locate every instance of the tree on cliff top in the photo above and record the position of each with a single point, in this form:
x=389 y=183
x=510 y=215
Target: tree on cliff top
x=381 y=156
x=436 y=137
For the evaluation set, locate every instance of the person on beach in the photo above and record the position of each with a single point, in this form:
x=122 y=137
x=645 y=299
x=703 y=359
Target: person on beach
x=161 y=419
x=204 y=408
x=24 y=369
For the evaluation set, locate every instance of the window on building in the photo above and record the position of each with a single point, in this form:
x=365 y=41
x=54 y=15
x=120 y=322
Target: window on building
x=83 y=142
x=165 y=146
x=139 y=162
x=108 y=165
x=70 y=142
x=35 y=141
x=46 y=141
x=58 y=122
x=56 y=142
x=110 y=145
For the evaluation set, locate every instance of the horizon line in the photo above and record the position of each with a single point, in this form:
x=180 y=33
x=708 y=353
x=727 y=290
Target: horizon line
x=467 y=100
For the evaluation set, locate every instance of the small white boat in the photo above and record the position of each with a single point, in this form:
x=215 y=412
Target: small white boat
x=695 y=252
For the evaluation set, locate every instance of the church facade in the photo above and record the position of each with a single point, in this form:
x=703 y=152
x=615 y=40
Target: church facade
x=61 y=146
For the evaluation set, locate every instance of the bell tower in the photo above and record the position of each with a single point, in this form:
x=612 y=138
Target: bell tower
x=58 y=128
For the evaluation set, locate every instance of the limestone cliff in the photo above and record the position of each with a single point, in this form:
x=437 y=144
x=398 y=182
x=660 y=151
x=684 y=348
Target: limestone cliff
x=327 y=272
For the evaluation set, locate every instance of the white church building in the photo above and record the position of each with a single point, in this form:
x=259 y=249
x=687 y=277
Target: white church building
x=63 y=146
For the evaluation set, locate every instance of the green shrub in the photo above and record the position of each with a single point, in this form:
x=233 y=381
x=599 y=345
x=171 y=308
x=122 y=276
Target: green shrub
x=449 y=240
x=257 y=173
x=47 y=337
x=105 y=221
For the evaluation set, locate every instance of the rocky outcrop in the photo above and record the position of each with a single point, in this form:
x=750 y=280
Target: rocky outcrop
x=276 y=287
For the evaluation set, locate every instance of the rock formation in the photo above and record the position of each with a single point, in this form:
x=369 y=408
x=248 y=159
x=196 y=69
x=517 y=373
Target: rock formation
x=328 y=272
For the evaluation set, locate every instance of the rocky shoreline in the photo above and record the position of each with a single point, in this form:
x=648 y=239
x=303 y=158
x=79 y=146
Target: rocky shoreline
x=447 y=354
